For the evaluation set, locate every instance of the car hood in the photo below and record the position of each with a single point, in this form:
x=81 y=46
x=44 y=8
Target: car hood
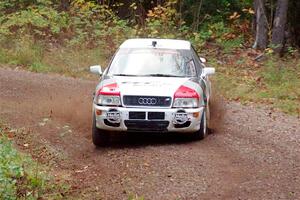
x=148 y=86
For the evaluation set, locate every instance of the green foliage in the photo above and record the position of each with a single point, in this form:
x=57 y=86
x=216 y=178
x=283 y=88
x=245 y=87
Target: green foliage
x=96 y=25
x=20 y=176
x=213 y=11
x=164 y=22
x=88 y=23
x=40 y=20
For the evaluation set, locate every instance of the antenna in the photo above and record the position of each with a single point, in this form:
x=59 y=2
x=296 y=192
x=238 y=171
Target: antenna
x=154 y=43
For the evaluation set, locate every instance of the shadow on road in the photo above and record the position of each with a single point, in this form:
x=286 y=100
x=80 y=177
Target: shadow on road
x=140 y=140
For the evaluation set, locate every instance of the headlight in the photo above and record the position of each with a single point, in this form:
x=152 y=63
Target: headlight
x=107 y=100
x=186 y=103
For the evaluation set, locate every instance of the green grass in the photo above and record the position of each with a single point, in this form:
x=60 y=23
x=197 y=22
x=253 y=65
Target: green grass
x=275 y=82
x=229 y=45
x=135 y=197
x=23 y=178
x=37 y=57
x=73 y=62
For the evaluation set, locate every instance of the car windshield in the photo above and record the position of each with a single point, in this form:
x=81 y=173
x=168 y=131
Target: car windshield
x=153 y=62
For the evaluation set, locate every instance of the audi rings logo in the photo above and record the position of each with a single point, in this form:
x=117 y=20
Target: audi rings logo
x=147 y=101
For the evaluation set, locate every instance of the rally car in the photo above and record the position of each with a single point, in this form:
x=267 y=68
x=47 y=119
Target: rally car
x=152 y=85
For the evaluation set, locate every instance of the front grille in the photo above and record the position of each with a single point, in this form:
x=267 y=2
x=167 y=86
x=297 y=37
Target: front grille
x=137 y=115
x=130 y=100
x=145 y=125
x=156 y=115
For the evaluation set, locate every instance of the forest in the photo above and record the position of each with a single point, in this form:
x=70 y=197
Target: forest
x=260 y=24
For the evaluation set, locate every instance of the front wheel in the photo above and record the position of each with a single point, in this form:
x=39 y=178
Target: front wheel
x=203 y=131
x=99 y=137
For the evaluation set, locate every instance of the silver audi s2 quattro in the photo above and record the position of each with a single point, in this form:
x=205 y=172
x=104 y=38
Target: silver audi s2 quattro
x=152 y=85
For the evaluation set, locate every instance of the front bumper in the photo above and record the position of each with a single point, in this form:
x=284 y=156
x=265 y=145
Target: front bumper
x=169 y=123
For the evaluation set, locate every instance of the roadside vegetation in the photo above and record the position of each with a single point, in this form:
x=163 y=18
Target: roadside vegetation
x=273 y=82
x=20 y=176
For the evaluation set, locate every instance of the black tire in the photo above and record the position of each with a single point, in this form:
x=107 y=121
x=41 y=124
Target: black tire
x=208 y=119
x=100 y=137
x=203 y=131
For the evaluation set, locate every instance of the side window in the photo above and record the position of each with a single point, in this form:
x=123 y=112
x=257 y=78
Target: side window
x=191 y=68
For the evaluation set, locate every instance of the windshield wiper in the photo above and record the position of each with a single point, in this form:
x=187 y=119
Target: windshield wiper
x=162 y=75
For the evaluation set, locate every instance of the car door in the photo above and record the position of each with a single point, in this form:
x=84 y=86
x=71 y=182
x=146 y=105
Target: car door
x=203 y=79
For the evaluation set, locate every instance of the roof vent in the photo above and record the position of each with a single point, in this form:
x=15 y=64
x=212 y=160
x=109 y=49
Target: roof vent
x=154 y=43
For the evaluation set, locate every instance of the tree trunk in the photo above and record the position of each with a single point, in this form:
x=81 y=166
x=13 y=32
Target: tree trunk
x=160 y=2
x=294 y=19
x=279 y=25
x=196 y=17
x=65 y=4
x=261 y=23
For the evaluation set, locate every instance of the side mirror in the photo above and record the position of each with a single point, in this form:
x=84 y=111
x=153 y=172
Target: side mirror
x=208 y=70
x=96 y=69
x=203 y=60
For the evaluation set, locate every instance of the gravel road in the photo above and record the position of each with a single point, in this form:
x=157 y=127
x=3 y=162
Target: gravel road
x=254 y=153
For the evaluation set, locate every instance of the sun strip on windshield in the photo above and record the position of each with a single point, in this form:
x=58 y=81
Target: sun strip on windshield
x=154 y=51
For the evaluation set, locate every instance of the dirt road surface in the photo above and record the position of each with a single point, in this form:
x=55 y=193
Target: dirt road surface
x=254 y=153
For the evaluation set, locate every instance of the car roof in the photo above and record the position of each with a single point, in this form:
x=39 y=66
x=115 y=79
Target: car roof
x=156 y=43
